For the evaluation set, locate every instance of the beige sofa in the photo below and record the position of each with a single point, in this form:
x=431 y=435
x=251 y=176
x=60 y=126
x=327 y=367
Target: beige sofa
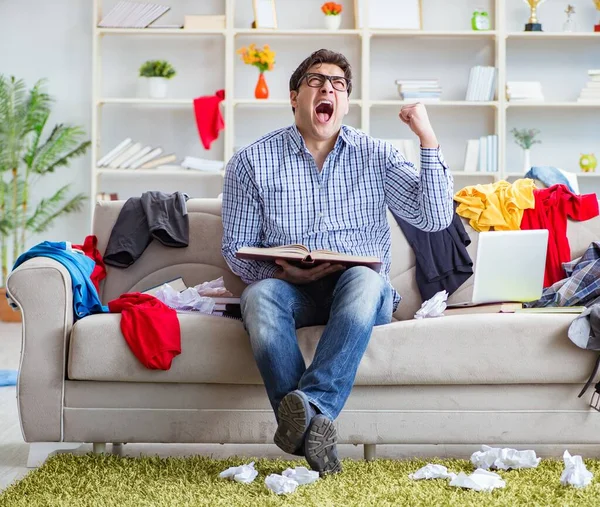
x=464 y=379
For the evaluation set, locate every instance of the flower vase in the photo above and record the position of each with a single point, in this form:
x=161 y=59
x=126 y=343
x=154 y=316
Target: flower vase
x=157 y=87
x=262 y=90
x=526 y=161
x=333 y=22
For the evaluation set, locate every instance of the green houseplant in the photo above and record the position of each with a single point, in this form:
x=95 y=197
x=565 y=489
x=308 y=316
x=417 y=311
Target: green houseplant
x=157 y=73
x=28 y=153
x=525 y=138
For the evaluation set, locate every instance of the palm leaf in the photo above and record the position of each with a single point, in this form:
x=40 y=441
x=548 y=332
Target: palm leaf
x=61 y=145
x=13 y=123
x=49 y=209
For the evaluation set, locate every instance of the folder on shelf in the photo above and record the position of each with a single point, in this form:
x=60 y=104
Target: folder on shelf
x=471 y=155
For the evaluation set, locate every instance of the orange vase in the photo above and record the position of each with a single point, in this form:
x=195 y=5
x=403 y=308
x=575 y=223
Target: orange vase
x=262 y=90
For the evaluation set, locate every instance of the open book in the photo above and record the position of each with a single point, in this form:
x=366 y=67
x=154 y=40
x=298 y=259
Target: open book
x=302 y=257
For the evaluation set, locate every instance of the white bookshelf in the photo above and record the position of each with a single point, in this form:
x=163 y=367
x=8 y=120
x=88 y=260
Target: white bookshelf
x=369 y=105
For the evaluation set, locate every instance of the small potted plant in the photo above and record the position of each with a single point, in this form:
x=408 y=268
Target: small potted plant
x=525 y=138
x=158 y=73
x=263 y=59
x=333 y=17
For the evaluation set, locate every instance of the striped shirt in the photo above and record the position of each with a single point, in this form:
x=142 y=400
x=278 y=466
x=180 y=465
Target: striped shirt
x=275 y=195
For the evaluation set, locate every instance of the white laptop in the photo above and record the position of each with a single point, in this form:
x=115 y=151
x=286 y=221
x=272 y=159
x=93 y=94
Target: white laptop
x=509 y=267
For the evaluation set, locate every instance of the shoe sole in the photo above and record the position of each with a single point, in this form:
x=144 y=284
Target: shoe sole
x=293 y=423
x=320 y=447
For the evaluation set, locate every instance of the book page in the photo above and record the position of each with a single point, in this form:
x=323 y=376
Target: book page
x=276 y=250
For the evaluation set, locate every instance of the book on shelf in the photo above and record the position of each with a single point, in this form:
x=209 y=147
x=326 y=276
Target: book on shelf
x=126 y=14
x=112 y=154
x=144 y=151
x=201 y=164
x=302 y=257
x=146 y=158
x=105 y=196
x=487 y=154
x=484 y=308
x=591 y=91
x=481 y=86
x=129 y=152
x=472 y=156
x=423 y=90
x=155 y=163
x=524 y=91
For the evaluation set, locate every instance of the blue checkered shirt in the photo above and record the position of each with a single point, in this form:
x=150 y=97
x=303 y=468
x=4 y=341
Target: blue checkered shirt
x=274 y=195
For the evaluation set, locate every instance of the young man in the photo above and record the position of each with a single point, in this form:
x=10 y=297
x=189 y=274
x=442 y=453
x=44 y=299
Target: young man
x=324 y=185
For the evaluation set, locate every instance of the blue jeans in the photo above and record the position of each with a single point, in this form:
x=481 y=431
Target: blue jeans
x=349 y=302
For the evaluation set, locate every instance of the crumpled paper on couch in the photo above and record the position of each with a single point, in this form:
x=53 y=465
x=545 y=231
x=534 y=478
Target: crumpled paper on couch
x=575 y=472
x=243 y=473
x=280 y=484
x=433 y=307
x=504 y=459
x=214 y=288
x=186 y=300
x=479 y=480
x=431 y=471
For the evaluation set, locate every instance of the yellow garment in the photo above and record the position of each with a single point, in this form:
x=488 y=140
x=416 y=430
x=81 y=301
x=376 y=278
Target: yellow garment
x=499 y=205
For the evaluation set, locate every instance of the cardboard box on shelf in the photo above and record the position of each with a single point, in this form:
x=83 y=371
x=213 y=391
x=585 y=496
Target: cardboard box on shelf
x=195 y=22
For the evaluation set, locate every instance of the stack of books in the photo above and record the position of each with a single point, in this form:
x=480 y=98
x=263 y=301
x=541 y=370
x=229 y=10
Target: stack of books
x=419 y=90
x=482 y=84
x=201 y=164
x=524 y=91
x=591 y=91
x=482 y=154
x=132 y=15
x=130 y=155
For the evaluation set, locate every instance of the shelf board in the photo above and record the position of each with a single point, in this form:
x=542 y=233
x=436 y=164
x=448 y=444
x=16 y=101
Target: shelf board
x=474 y=173
x=443 y=103
x=144 y=101
x=539 y=104
x=276 y=31
x=553 y=35
x=578 y=174
x=475 y=34
x=156 y=31
x=277 y=102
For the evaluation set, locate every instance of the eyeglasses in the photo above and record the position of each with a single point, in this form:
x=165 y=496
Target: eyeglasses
x=339 y=83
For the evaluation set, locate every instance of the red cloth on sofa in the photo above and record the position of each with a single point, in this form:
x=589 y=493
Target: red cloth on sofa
x=89 y=248
x=151 y=328
x=209 y=119
x=552 y=207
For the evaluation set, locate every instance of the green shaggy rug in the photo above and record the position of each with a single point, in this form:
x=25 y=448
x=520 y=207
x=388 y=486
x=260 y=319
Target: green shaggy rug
x=107 y=480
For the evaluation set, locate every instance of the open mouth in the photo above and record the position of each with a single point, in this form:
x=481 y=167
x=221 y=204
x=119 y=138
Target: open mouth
x=324 y=111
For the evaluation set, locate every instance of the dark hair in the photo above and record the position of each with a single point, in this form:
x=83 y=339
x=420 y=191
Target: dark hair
x=319 y=57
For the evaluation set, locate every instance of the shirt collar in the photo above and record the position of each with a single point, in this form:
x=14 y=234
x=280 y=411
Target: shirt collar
x=298 y=144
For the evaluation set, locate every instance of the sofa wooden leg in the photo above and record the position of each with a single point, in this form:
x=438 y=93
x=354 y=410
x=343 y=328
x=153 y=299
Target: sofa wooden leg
x=370 y=451
x=99 y=447
x=40 y=451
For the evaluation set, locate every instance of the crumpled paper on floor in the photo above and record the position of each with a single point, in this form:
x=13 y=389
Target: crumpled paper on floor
x=479 y=480
x=575 y=472
x=214 y=288
x=186 y=300
x=280 y=485
x=301 y=475
x=433 y=307
x=504 y=459
x=431 y=471
x=243 y=473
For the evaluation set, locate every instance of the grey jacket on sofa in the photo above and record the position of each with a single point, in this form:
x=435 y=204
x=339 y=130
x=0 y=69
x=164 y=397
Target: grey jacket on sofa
x=463 y=379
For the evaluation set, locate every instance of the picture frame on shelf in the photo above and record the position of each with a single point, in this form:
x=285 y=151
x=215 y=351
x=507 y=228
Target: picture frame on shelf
x=265 y=14
x=389 y=14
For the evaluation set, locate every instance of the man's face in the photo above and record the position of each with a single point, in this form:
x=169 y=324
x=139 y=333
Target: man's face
x=320 y=104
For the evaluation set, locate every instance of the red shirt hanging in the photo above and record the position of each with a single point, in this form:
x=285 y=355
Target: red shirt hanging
x=552 y=207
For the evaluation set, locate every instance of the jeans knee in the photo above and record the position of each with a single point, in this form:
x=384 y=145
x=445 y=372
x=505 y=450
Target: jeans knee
x=259 y=293
x=364 y=278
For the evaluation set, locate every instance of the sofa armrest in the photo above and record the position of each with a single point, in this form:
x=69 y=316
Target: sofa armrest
x=42 y=289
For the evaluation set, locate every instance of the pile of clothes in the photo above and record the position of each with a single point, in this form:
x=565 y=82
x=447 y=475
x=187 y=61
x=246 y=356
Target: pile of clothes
x=443 y=262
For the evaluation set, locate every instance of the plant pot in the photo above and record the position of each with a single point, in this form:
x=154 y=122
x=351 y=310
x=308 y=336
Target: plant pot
x=333 y=22
x=262 y=90
x=157 y=87
x=7 y=314
x=526 y=160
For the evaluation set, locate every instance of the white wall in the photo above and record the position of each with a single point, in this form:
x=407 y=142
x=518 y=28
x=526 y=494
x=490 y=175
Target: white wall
x=53 y=40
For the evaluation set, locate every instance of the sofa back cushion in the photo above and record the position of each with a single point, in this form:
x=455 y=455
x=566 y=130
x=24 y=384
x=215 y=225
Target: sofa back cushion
x=202 y=259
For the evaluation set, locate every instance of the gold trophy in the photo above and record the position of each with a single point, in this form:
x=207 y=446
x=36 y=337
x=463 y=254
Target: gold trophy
x=597 y=26
x=534 y=25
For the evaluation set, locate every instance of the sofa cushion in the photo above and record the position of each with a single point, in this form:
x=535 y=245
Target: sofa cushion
x=459 y=349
